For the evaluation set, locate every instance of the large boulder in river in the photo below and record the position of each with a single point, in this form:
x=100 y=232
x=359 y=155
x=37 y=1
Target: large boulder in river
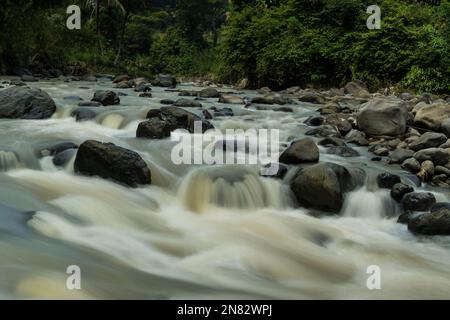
x=431 y=223
x=109 y=161
x=383 y=117
x=432 y=116
x=209 y=93
x=300 y=151
x=164 y=80
x=324 y=185
x=25 y=103
x=428 y=140
x=167 y=119
x=106 y=98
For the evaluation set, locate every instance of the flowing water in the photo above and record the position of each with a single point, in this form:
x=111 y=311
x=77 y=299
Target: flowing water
x=198 y=231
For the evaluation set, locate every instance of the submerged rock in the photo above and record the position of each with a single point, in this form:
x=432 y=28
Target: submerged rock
x=324 y=185
x=25 y=103
x=109 y=161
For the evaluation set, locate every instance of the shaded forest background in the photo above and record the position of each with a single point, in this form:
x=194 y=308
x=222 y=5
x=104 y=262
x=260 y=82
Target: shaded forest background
x=276 y=43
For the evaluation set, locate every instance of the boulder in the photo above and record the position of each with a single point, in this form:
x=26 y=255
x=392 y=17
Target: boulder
x=314 y=121
x=339 y=122
x=109 y=161
x=399 y=190
x=383 y=117
x=400 y=155
x=437 y=155
x=209 y=93
x=121 y=78
x=323 y=186
x=164 y=80
x=440 y=205
x=411 y=164
x=300 y=151
x=63 y=158
x=311 y=97
x=418 y=201
x=387 y=180
x=432 y=116
x=431 y=223
x=124 y=85
x=357 y=88
x=428 y=140
x=106 y=98
x=231 y=99
x=25 y=103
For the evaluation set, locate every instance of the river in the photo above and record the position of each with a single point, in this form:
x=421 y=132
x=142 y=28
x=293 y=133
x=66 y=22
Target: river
x=173 y=240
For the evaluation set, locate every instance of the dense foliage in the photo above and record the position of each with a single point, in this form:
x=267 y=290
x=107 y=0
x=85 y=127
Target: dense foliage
x=269 y=42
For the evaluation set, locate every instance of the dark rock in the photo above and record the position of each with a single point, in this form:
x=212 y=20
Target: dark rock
x=209 y=93
x=323 y=186
x=399 y=190
x=167 y=119
x=387 y=180
x=311 y=97
x=315 y=121
x=300 y=151
x=442 y=170
x=106 y=98
x=58 y=148
x=418 y=201
x=73 y=98
x=440 y=205
x=121 y=78
x=340 y=123
x=109 y=161
x=400 y=155
x=428 y=140
x=25 y=103
x=145 y=95
x=167 y=101
x=143 y=87
x=436 y=155
x=432 y=223
x=164 y=80
x=62 y=158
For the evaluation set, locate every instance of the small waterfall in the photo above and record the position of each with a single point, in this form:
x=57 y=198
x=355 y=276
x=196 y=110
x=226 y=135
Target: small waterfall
x=363 y=203
x=229 y=187
x=8 y=161
x=113 y=121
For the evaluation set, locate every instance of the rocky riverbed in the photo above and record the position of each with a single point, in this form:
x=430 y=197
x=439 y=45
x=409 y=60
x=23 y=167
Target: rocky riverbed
x=87 y=179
